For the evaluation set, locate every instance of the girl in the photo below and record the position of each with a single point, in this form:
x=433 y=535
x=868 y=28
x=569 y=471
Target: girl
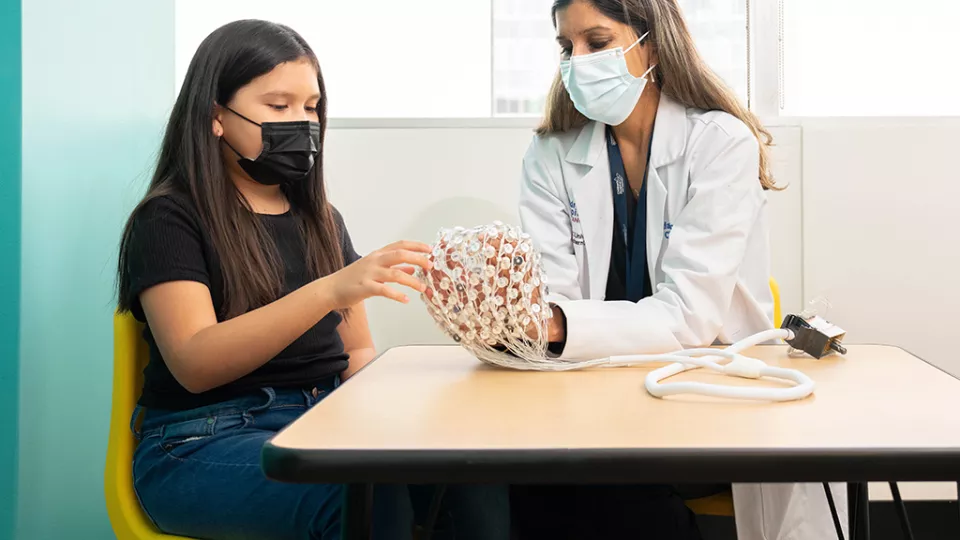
x=252 y=294
x=645 y=190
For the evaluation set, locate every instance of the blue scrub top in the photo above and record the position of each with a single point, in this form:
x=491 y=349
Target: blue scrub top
x=627 y=278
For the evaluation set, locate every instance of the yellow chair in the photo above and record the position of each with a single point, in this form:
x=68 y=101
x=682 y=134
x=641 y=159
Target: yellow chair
x=777 y=312
x=721 y=504
x=130 y=356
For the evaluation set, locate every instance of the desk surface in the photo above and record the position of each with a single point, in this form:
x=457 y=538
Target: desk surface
x=436 y=414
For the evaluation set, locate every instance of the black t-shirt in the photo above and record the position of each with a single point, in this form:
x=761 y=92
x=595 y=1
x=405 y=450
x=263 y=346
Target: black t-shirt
x=169 y=243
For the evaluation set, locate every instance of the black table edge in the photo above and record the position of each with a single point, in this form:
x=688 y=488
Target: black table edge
x=548 y=466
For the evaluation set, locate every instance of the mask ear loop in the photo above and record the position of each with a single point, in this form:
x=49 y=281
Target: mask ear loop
x=242 y=116
x=230 y=146
x=226 y=142
x=647 y=72
x=630 y=48
x=635 y=43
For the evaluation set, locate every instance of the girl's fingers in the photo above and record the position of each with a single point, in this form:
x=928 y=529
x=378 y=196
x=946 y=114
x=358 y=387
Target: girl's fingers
x=401 y=278
x=403 y=256
x=387 y=291
x=407 y=245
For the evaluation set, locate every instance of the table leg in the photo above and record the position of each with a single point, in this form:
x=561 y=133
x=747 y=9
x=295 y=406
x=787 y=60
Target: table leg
x=858 y=499
x=902 y=511
x=852 y=500
x=357 y=514
x=833 y=510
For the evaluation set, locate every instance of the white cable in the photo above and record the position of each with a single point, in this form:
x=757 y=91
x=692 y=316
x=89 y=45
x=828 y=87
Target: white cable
x=727 y=361
x=739 y=366
x=487 y=291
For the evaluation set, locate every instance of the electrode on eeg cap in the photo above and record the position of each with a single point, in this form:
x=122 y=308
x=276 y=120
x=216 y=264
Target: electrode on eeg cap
x=814 y=335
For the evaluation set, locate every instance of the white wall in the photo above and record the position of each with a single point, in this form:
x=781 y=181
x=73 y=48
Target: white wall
x=393 y=184
x=409 y=182
x=881 y=199
x=786 y=215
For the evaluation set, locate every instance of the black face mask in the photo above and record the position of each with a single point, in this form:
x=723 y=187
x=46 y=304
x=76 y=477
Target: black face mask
x=289 y=151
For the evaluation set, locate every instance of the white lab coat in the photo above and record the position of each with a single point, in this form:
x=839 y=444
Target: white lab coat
x=708 y=262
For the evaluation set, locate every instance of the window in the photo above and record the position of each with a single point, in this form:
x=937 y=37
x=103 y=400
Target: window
x=380 y=58
x=525 y=53
x=442 y=58
x=525 y=56
x=870 y=58
x=719 y=28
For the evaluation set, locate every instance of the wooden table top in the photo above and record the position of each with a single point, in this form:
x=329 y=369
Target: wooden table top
x=435 y=413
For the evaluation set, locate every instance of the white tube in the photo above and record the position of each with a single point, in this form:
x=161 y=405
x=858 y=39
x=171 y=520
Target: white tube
x=727 y=361
x=716 y=360
x=804 y=385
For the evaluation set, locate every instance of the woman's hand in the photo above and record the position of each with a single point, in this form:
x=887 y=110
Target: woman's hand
x=555 y=327
x=370 y=275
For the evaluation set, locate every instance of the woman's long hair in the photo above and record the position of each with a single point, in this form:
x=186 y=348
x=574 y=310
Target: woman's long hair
x=681 y=73
x=191 y=165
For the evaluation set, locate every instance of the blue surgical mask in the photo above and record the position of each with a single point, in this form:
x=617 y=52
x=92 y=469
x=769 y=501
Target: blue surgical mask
x=601 y=86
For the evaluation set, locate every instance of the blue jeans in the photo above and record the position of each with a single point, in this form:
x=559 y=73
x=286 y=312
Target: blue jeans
x=197 y=474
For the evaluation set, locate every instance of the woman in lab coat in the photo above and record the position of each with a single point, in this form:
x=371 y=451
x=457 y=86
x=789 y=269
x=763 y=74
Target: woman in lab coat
x=645 y=189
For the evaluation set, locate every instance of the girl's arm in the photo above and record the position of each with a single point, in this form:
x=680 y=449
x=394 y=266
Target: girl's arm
x=357 y=341
x=203 y=354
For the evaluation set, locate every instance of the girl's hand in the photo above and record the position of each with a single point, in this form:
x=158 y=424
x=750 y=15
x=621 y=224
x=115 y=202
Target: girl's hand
x=370 y=275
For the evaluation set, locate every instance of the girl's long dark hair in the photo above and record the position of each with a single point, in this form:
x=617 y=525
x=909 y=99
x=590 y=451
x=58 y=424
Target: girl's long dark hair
x=191 y=165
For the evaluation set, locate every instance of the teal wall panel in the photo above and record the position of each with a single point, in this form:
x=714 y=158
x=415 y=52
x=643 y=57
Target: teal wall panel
x=10 y=109
x=97 y=87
